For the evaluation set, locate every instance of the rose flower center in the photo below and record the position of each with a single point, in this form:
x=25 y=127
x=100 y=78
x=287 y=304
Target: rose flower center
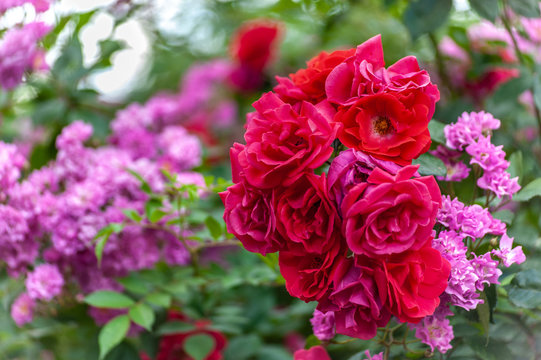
x=382 y=125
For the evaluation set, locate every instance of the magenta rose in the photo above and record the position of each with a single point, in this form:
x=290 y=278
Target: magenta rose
x=314 y=353
x=249 y=215
x=284 y=142
x=350 y=168
x=308 y=275
x=390 y=214
x=306 y=217
x=410 y=284
x=358 y=310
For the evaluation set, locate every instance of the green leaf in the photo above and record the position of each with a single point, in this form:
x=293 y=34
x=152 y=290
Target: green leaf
x=107 y=48
x=132 y=215
x=174 y=327
x=100 y=246
x=214 y=227
x=489 y=9
x=109 y=299
x=424 y=16
x=436 y=131
x=483 y=311
x=525 y=289
x=142 y=314
x=504 y=215
x=311 y=341
x=527 y=8
x=134 y=284
x=516 y=166
x=525 y=298
x=531 y=190
x=159 y=299
x=145 y=186
x=199 y=346
x=113 y=333
x=49 y=111
x=243 y=347
x=152 y=208
x=156 y=215
x=430 y=165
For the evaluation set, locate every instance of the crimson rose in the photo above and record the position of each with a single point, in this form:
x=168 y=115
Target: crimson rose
x=384 y=127
x=283 y=143
x=390 y=214
x=410 y=283
x=358 y=310
x=308 y=275
x=306 y=217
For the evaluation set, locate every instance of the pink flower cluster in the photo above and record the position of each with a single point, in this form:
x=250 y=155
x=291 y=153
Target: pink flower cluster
x=19 y=52
x=472 y=133
x=55 y=213
x=470 y=273
x=39 y=5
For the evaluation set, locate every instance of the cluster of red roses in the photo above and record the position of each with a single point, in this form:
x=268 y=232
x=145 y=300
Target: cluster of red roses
x=357 y=238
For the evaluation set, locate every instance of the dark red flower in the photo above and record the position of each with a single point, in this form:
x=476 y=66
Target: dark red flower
x=390 y=214
x=306 y=217
x=308 y=275
x=283 y=143
x=410 y=284
x=171 y=347
x=358 y=310
x=253 y=44
x=250 y=216
x=383 y=126
x=314 y=353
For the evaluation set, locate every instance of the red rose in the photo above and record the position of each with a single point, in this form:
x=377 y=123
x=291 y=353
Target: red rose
x=358 y=310
x=312 y=79
x=306 y=216
x=382 y=126
x=308 y=275
x=254 y=43
x=171 y=347
x=390 y=214
x=365 y=74
x=283 y=143
x=314 y=353
x=410 y=284
x=249 y=215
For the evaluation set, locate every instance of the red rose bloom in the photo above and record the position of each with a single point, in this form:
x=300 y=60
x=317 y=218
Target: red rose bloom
x=253 y=47
x=312 y=79
x=358 y=310
x=254 y=43
x=365 y=74
x=306 y=217
x=314 y=353
x=410 y=284
x=308 y=275
x=390 y=214
x=382 y=126
x=283 y=143
x=249 y=215
x=171 y=347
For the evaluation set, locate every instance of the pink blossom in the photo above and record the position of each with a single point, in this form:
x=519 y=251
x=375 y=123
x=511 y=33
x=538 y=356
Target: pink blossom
x=500 y=183
x=436 y=333
x=507 y=253
x=19 y=53
x=323 y=325
x=487 y=155
x=22 y=309
x=45 y=282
